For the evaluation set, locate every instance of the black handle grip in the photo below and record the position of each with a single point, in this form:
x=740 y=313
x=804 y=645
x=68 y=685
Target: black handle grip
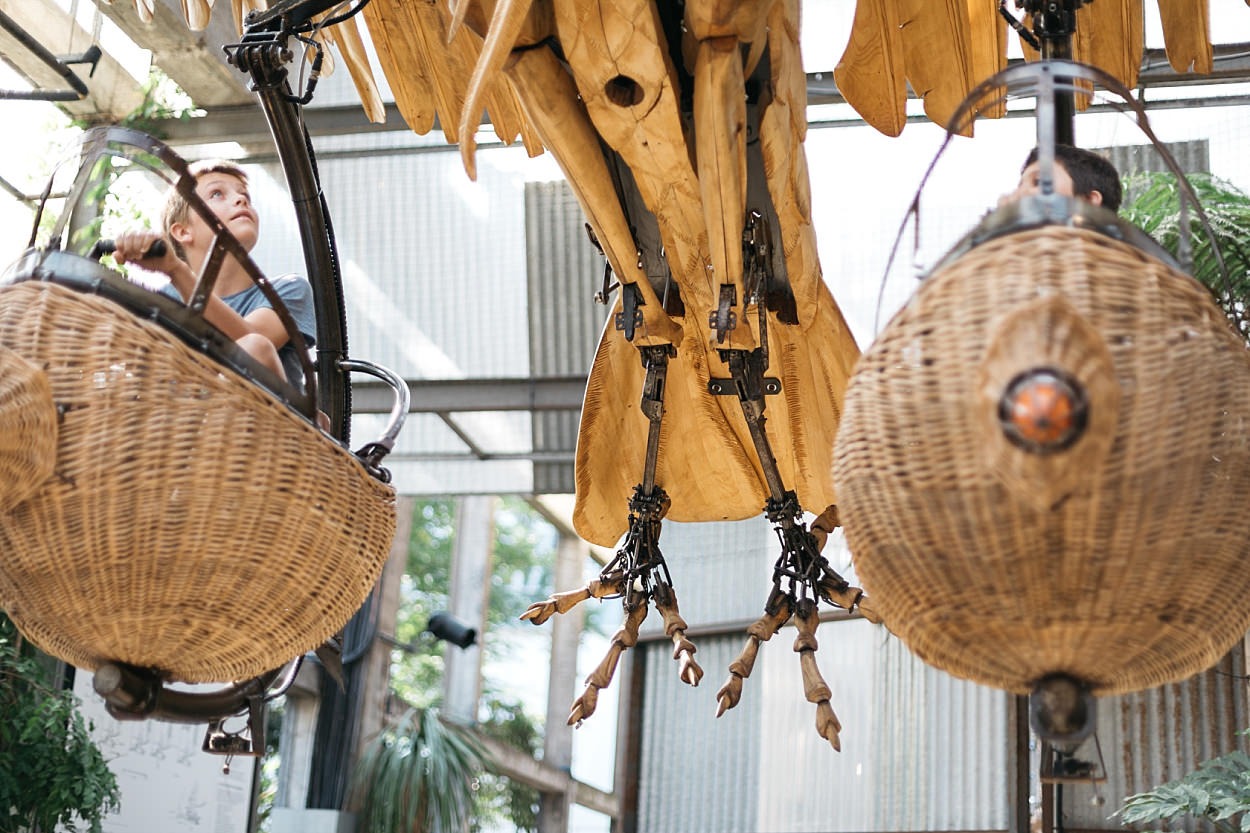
x=104 y=246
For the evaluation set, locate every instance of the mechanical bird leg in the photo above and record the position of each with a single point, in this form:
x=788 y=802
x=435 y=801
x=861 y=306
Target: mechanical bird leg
x=777 y=612
x=625 y=637
x=814 y=686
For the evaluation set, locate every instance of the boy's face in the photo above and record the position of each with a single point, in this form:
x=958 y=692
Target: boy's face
x=228 y=198
x=1030 y=183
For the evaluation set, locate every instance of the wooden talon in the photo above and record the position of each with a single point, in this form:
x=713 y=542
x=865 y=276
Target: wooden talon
x=844 y=597
x=584 y=706
x=828 y=726
x=777 y=612
x=688 y=671
x=675 y=629
x=745 y=662
x=867 y=611
x=729 y=694
x=815 y=689
x=826 y=522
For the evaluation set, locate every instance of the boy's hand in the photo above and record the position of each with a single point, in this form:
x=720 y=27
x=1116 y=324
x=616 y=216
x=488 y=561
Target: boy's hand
x=137 y=247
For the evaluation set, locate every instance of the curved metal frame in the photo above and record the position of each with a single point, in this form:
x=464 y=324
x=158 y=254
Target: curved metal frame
x=1045 y=80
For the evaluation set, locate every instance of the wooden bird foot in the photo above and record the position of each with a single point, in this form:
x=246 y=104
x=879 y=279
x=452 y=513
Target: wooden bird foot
x=626 y=637
x=815 y=689
x=776 y=613
x=834 y=589
x=675 y=628
x=831 y=586
x=600 y=588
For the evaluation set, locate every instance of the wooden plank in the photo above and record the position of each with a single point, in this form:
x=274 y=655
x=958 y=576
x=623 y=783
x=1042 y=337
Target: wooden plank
x=520 y=767
x=194 y=60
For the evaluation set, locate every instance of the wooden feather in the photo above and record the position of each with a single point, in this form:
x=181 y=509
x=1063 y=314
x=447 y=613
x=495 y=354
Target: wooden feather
x=936 y=52
x=621 y=64
x=987 y=32
x=784 y=160
x=449 y=65
x=505 y=25
x=402 y=63
x=1110 y=36
x=871 y=75
x=1187 y=34
x=197 y=13
x=352 y=47
x=720 y=142
x=554 y=108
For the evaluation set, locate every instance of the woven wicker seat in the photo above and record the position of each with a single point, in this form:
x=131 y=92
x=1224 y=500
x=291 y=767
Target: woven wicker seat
x=1123 y=559
x=193 y=524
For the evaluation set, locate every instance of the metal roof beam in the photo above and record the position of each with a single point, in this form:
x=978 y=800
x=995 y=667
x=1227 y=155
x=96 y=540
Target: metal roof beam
x=447 y=396
x=241 y=123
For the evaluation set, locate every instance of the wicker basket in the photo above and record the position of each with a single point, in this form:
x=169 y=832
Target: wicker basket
x=1122 y=559
x=27 y=429
x=193 y=523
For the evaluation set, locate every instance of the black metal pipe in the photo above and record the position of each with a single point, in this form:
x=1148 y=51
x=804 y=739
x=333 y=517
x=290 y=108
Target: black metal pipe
x=320 y=258
x=130 y=694
x=19 y=34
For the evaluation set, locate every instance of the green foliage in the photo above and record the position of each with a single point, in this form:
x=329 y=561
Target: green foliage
x=270 y=764
x=523 y=556
x=416 y=675
x=52 y=776
x=163 y=99
x=1154 y=206
x=501 y=799
x=1218 y=791
x=523 y=559
x=417 y=776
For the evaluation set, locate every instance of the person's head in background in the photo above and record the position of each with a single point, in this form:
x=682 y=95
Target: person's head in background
x=1078 y=173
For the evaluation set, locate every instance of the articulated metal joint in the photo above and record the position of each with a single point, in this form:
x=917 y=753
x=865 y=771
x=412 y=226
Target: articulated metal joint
x=723 y=318
x=649 y=507
x=747 y=380
x=755 y=251
x=785 y=508
x=264 y=60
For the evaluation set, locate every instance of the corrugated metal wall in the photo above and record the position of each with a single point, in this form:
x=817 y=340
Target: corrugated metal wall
x=1155 y=736
x=920 y=750
x=446 y=291
x=564 y=321
x=1192 y=156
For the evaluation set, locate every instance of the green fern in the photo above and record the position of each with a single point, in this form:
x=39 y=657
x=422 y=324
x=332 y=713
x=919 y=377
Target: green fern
x=1154 y=206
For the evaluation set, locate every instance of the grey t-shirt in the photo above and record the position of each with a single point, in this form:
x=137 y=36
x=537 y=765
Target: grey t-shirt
x=296 y=295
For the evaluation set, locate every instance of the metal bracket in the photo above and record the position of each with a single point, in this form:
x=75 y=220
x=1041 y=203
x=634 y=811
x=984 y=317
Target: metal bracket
x=723 y=318
x=770 y=386
x=1063 y=767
